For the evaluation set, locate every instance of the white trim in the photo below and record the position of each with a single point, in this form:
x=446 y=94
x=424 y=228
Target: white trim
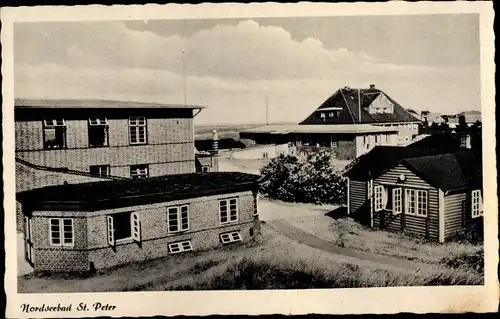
x=441 y=217
x=475 y=195
x=370 y=183
x=416 y=198
x=180 y=247
x=111 y=230
x=178 y=213
x=95 y=121
x=135 y=224
x=61 y=232
x=228 y=212
x=230 y=237
x=395 y=196
x=399 y=185
x=378 y=198
x=137 y=122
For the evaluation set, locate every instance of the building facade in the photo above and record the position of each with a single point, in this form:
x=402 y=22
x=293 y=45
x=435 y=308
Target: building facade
x=82 y=227
x=106 y=138
x=344 y=141
x=422 y=192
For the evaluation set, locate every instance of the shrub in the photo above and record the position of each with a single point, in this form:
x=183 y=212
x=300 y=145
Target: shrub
x=473 y=261
x=312 y=179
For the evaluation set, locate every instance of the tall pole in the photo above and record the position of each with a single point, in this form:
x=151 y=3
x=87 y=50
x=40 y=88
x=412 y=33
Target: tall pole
x=184 y=78
x=267 y=111
x=359 y=105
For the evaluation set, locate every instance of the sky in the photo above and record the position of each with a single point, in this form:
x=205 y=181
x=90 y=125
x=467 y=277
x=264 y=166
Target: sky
x=232 y=66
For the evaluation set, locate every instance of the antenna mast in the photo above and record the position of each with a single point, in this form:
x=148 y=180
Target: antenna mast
x=184 y=77
x=267 y=111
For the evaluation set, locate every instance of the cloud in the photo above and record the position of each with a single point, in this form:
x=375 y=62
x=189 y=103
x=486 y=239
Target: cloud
x=230 y=68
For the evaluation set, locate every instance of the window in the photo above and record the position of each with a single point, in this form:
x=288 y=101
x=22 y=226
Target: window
x=397 y=200
x=265 y=155
x=231 y=237
x=322 y=115
x=204 y=169
x=139 y=171
x=476 y=203
x=378 y=200
x=61 y=232
x=228 y=210
x=416 y=202
x=334 y=142
x=54 y=134
x=137 y=130
x=178 y=219
x=180 y=247
x=100 y=170
x=98 y=132
x=122 y=227
x=331 y=114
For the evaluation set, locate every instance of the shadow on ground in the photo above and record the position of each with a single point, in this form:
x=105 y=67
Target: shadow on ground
x=339 y=212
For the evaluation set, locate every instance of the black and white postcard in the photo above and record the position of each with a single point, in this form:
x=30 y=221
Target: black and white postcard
x=249 y=158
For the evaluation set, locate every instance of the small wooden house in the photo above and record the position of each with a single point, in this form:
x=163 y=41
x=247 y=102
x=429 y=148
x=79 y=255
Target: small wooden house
x=80 y=227
x=431 y=193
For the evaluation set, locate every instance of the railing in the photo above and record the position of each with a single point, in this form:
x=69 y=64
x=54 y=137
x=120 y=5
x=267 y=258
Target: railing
x=304 y=149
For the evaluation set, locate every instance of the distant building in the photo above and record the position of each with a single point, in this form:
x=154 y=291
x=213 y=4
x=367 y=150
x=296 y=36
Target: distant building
x=81 y=227
x=431 y=193
x=432 y=117
x=366 y=106
x=471 y=117
x=344 y=141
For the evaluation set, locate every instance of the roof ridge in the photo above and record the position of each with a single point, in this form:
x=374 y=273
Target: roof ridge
x=348 y=108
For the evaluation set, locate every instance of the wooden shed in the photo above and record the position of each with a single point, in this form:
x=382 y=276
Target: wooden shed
x=430 y=193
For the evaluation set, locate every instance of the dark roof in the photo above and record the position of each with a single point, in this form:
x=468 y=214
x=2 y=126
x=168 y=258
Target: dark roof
x=442 y=168
x=382 y=158
x=347 y=99
x=131 y=192
x=445 y=141
x=94 y=103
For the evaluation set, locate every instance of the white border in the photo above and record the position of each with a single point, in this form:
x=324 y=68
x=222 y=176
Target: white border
x=338 y=301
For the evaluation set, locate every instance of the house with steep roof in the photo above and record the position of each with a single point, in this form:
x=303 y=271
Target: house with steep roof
x=431 y=193
x=348 y=124
x=365 y=106
x=87 y=226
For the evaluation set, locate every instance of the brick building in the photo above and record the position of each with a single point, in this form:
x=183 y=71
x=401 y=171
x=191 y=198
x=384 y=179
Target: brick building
x=107 y=138
x=80 y=227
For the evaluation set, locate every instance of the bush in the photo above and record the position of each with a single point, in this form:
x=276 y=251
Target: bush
x=312 y=179
x=473 y=261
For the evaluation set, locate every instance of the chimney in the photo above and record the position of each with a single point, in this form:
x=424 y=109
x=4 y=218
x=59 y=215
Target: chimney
x=372 y=86
x=215 y=152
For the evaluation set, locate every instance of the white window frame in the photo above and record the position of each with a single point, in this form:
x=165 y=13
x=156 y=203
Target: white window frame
x=229 y=217
x=397 y=200
x=476 y=201
x=138 y=172
x=95 y=121
x=230 y=237
x=180 y=247
x=62 y=232
x=52 y=124
x=378 y=197
x=334 y=142
x=416 y=207
x=135 y=229
x=138 y=123
x=178 y=212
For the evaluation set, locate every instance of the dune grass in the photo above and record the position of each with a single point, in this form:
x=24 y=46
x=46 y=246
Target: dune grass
x=270 y=261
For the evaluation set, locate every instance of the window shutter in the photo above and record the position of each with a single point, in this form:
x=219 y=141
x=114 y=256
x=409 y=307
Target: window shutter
x=385 y=197
x=111 y=232
x=136 y=227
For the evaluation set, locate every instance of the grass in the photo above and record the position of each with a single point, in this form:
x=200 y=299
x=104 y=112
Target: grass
x=271 y=261
x=347 y=233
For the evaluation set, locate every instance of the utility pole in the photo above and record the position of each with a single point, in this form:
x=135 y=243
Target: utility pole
x=359 y=105
x=267 y=111
x=184 y=77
